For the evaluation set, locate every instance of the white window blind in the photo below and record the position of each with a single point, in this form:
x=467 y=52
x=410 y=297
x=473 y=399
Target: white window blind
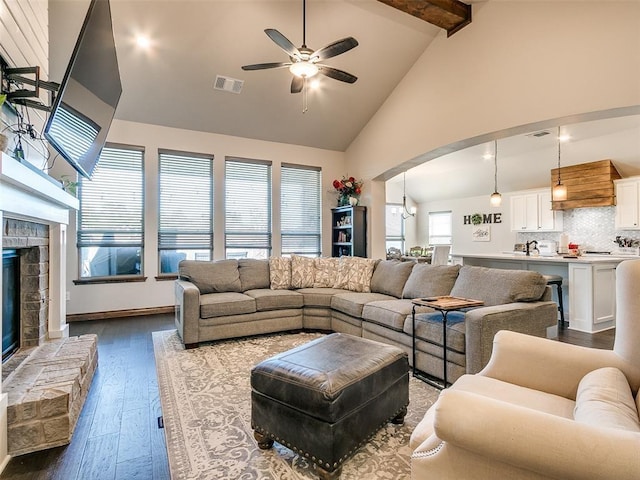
x=300 y=207
x=247 y=208
x=440 y=228
x=185 y=224
x=394 y=225
x=111 y=217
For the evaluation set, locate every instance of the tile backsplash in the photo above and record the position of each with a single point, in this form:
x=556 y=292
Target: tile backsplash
x=591 y=228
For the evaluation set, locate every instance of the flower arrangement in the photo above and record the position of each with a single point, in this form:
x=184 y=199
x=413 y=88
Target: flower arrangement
x=348 y=187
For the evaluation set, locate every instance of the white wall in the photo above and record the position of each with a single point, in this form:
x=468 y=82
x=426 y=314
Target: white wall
x=154 y=293
x=502 y=239
x=518 y=64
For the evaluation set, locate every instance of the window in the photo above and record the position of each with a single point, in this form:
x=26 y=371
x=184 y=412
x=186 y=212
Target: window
x=394 y=224
x=439 y=228
x=111 y=217
x=185 y=224
x=247 y=208
x=300 y=207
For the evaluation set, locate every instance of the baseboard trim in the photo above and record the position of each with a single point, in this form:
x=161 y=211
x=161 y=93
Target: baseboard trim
x=135 y=312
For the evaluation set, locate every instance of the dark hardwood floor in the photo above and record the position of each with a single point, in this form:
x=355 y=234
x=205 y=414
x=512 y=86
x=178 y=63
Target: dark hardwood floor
x=117 y=435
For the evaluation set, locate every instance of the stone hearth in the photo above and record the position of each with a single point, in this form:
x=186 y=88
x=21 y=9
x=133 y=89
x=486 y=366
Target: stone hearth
x=47 y=392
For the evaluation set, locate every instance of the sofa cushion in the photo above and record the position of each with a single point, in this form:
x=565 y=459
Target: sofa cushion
x=319 y=297
x=429 y=329
x=223 y=304
x=495 y=286
x=604 y=399
x=327 y=271
x=254 y=273
x=280 y=273
x=390 y=313
x=355 y=274
x=390 y=276
x=267 y=299
x=430 y=280
x=211 y=277
x=352 y=303
x=302 y=271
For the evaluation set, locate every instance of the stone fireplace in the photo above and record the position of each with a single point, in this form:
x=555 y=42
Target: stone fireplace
x=30 y=241
x=41 y=399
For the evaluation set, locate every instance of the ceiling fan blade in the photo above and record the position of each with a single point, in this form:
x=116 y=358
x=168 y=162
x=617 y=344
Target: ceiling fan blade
x=336 y=74
x=263 y=66
x=283 y=42
x=336 y=48
x=297 y=83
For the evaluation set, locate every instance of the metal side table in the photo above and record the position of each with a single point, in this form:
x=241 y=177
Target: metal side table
x=444 y=305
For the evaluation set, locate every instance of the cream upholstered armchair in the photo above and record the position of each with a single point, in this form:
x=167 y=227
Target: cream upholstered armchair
x=542 y=409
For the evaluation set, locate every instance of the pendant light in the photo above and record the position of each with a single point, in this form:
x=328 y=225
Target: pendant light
x=405 y=212
x=496 y=198
x=559 y=191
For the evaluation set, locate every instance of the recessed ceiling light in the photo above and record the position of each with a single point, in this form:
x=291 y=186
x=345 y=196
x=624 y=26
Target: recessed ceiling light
x=143 y=41
x=564 y=137
x=487 y=156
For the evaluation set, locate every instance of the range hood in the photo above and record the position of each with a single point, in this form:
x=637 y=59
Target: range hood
x=588 y=185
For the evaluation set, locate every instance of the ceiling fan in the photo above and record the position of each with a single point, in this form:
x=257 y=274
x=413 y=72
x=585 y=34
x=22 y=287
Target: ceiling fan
x=304 y=62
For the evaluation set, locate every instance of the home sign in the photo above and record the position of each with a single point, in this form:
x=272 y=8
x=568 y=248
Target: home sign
x=480 y=218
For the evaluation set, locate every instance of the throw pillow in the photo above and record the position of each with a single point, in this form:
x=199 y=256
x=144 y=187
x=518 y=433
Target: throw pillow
x=430 y=280
x=254 y=273
x=302 y=271
x=390 y=276
x=604 y=399
x=355 y=274
x=326 y=272
x=212 y=277
x=280 y=273
x=495 y=286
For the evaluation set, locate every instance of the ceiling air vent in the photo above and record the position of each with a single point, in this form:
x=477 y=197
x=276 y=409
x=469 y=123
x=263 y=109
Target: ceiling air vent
x=539 y=134
x=228 y=84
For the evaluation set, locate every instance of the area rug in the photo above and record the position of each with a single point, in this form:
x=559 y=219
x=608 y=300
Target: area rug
x=206 y=404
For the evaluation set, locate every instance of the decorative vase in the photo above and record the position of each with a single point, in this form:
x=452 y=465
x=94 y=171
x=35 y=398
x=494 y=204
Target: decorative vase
x=353 y=201
x=343 y=200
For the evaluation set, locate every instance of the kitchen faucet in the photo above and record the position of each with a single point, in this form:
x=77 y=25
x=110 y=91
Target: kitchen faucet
x=533 y=243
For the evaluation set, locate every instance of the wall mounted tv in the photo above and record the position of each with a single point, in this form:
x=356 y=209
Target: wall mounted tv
x=82 y=111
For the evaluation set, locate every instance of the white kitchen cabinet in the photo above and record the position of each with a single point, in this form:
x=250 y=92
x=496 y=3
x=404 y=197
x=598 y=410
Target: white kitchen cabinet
x=531 y=212
x=592 y=296
x=627 y=204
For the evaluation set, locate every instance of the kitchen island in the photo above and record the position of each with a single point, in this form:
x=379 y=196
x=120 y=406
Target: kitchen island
x=588 y=282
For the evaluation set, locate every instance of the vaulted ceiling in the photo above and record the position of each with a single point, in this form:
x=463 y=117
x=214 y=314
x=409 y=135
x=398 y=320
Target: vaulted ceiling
x=192 y=41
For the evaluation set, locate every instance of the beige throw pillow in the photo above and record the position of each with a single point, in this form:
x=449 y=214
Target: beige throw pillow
x=280 y=273
x=355 y=274
x=302 y=271
x=326 y=272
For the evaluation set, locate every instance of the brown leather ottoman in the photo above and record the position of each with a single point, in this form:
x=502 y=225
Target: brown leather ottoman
x=326 y=398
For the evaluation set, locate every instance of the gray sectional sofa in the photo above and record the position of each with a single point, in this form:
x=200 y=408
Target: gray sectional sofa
x=363 y=297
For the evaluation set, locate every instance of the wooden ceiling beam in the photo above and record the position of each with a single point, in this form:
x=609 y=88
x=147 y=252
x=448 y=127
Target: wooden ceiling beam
x=452 y=15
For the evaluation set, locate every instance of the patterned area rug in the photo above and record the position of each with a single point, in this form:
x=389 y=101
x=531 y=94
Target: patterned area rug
x=206 y=403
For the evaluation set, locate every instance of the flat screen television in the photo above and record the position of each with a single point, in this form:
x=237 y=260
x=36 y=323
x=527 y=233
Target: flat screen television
x=83 y=109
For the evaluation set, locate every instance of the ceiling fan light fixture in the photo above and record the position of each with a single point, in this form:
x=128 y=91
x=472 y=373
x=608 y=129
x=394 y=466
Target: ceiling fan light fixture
x=304 y=69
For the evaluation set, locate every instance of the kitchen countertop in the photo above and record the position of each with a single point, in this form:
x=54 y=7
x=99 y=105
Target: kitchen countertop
x=588 y=258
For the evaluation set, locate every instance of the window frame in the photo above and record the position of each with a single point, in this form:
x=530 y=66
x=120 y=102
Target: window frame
x=394 y=238
x=80 y=243
x=268 y=245
x=283 y=209
x=211 y=231
x=432 y=216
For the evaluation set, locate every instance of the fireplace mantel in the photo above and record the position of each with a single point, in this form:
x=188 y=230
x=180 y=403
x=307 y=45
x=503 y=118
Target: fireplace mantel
x=27 y=194
x=31 y=195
